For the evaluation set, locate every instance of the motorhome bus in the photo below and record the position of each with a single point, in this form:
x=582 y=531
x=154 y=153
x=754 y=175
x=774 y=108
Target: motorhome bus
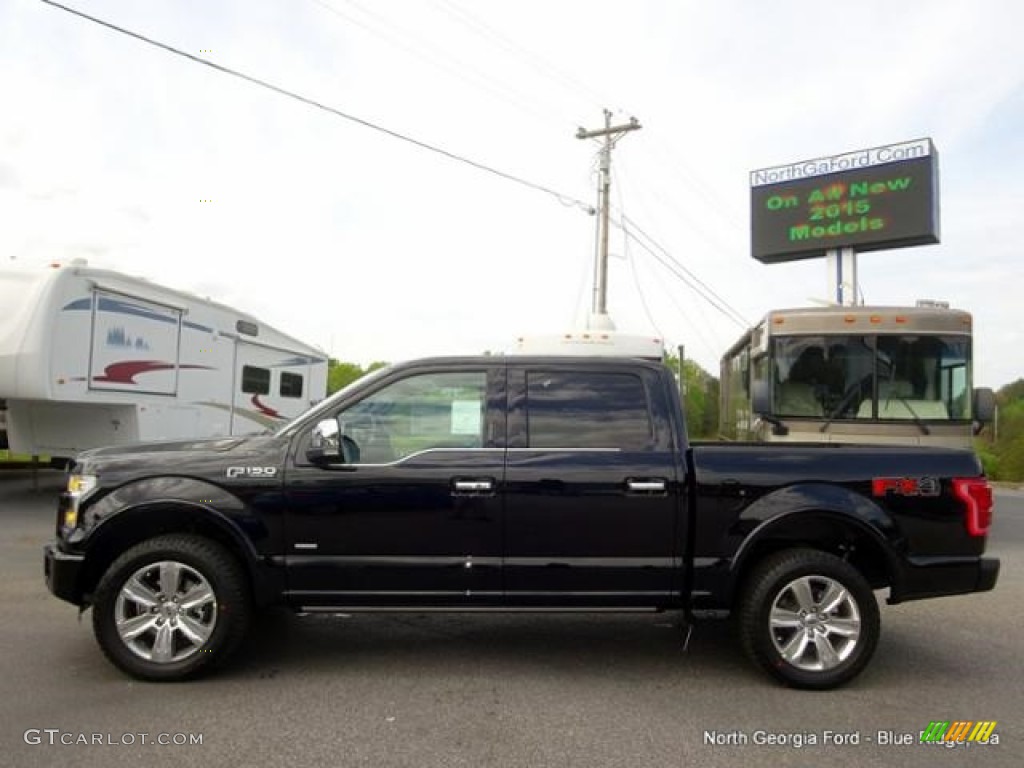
x=898 y=375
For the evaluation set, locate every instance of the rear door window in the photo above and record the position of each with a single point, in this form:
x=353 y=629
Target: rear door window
x=587 y=409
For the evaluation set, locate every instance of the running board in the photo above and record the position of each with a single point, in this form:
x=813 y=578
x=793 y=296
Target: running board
x=468 y=609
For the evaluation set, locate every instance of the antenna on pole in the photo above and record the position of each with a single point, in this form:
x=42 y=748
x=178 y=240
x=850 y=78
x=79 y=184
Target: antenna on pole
x=611 y=134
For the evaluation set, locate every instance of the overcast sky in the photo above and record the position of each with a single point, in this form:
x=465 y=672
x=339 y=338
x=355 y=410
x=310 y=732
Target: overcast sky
x=139 y=160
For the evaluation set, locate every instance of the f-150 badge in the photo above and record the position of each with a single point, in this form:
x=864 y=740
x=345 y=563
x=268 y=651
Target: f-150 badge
x=251 y=471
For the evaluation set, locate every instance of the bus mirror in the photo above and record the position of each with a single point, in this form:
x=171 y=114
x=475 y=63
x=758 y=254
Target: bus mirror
x=760 y=397
x=984 y=405
x=761 y=405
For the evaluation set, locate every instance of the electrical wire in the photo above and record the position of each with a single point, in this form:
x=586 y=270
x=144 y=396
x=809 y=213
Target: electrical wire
x=632 y=264
x=622 y=172
x=667 y=158
x=636 y=282
x=681 y=271
x=713 y=349
x=564 y=80
x=672 y=265
x=419 y=47
x=566 y=200
x=690 y=324
x=581 y=291
x=668 y=199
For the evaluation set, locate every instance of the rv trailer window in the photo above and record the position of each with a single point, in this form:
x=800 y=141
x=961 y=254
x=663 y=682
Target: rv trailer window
x=255 y=381
x=248 y=328
x=291 y=385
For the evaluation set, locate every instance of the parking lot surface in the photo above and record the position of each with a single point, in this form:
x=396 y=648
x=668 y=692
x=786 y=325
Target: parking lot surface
x=499 y=690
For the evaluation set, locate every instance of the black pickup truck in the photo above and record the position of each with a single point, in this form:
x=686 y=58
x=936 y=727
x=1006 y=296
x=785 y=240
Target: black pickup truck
x=511 y=483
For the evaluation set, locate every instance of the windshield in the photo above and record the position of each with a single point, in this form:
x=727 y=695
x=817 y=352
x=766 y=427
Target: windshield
x=911 y=377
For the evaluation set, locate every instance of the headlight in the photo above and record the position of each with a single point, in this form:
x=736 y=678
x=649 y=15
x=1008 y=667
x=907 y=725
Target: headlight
x=78 y=487
x=81 y=484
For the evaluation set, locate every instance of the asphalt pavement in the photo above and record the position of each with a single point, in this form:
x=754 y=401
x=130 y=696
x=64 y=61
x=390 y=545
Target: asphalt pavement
x=499 y=690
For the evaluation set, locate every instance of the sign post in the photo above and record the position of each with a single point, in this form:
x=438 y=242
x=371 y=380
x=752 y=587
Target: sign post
x=841 y=269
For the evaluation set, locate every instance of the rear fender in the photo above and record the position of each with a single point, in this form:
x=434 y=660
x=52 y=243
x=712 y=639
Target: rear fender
x=799 y=513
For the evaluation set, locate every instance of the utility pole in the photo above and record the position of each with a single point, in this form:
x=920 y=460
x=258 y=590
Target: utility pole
x=611 y=135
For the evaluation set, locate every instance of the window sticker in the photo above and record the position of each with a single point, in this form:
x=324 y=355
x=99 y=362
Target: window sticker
x=465 y=417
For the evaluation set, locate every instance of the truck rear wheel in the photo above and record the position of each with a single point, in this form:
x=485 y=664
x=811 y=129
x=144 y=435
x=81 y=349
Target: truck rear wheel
x=171 y=608
x=809 y=618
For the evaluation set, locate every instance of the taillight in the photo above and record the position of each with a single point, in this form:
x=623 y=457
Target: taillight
x=976 y=494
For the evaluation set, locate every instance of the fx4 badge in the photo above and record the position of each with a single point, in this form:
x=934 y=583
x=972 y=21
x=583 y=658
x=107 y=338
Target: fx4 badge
x=251 y=471
x=905 y=486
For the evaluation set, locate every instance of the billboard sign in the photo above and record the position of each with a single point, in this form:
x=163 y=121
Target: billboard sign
x=886 y=197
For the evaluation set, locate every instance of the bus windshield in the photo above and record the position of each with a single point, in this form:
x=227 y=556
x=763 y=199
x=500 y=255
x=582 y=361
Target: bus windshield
x=899 y=377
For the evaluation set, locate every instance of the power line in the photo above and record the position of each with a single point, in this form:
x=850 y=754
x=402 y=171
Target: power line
x=632 y=264
x=636 y=283
x=713 y=349
x=702 y=318
x=564 y=80
x=690 y=178
x=672 y=265
x=672 y=268
x=708 y=293
x=418 y=46
x=695 y=225
x=566 y=200
x=668 y=199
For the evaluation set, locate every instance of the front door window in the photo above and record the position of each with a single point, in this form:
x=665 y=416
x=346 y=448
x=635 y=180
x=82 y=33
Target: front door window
x=420 y=413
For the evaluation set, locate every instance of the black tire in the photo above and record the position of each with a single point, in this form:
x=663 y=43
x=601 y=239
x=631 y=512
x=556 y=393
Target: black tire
x=154 y=635
x=806 y=642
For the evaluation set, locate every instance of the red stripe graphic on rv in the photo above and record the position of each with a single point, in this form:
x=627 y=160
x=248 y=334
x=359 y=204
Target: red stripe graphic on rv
x=264 y=409
x=125 y=372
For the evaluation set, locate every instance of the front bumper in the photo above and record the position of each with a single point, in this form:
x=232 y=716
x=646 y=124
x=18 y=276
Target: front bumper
x=62 y=574
x=935 y=577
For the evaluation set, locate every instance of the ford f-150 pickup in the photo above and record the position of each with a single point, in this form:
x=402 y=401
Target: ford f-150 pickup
x=511 y=483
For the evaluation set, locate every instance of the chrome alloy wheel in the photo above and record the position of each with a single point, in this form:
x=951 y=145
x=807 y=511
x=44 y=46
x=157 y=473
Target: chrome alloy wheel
x=815 y=623
x=165 y=612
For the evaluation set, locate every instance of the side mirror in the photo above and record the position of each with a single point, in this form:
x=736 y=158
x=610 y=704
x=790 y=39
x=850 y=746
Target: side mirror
x=325 y=444
x=760 y=397
x=328 y=446
x=984 y=405
x=761 y=405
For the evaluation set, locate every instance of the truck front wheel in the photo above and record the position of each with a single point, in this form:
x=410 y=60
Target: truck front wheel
x=808 y=618
x=171 y=607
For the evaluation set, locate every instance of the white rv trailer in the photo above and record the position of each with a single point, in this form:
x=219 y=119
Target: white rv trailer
x=92 y=357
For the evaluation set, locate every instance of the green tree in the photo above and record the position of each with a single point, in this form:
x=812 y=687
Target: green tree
x=1001 y=446
x=700 y=399
x=340 y=373
x=1011 y=392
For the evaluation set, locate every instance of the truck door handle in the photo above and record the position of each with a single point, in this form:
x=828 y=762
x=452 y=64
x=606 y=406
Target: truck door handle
x=467 y=487
x=646 y=486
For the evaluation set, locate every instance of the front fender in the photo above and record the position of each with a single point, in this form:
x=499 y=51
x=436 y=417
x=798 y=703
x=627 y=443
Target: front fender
x=223 y=508
x=154 y=506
